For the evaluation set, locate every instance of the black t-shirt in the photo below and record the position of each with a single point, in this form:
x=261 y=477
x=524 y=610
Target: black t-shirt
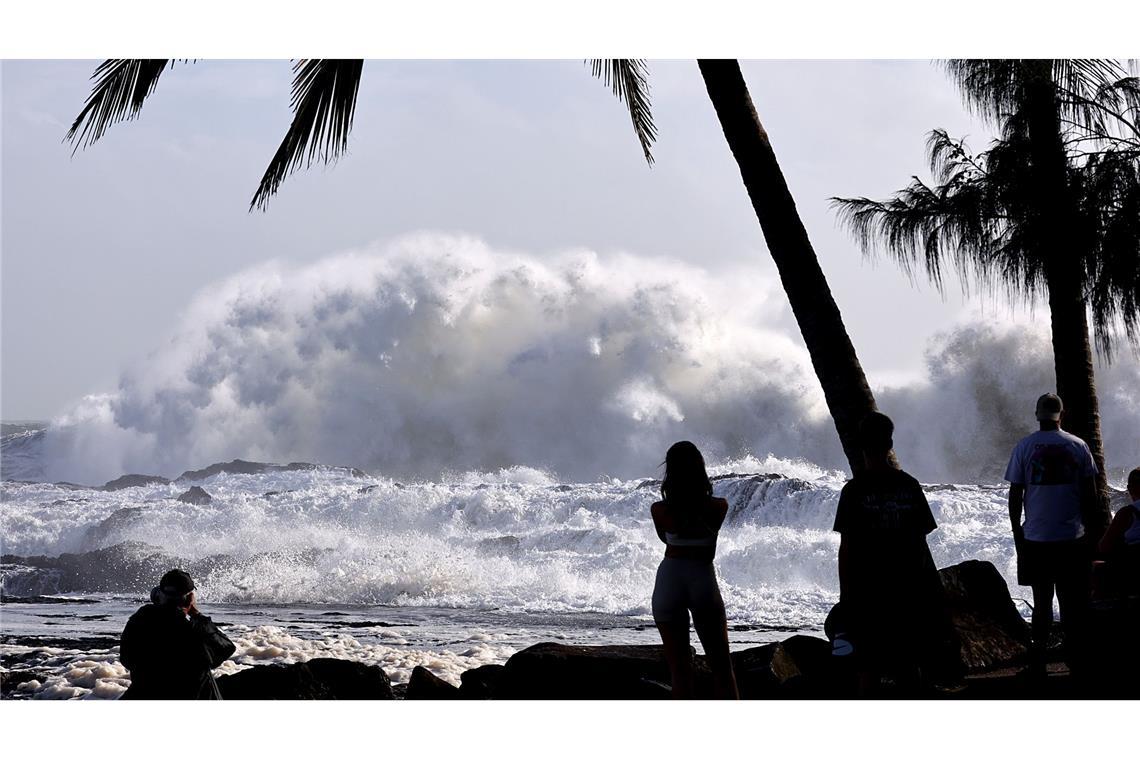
x=884 y=519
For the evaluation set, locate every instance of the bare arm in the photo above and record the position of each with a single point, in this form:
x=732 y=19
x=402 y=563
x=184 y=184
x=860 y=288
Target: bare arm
x=655 y=513
x=1091 y=514
x=1016 y=503
x=1114 y=536
x=844 y=564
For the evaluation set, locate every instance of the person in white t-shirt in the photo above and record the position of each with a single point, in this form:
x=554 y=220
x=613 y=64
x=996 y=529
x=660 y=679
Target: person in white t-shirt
x=1052 y=483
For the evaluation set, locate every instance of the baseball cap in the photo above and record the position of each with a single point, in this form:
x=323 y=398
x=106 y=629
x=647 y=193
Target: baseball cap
x=1049 y=407
x=177 y=581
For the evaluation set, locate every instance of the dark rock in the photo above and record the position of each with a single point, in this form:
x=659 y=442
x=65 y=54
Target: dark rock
x=558 y=671
x=479 y=683
x=321 y=678
x=796 y=667
x=991 y=631
x=242 y=467
x=43 y=600
x=360 y=624
x=83 y=644
x=114 y=523
x=129 y=566
x=427 y=685
x=11 y=680
x=196 y=495
x=133 y=481
x=236 y=467
x=500 y=546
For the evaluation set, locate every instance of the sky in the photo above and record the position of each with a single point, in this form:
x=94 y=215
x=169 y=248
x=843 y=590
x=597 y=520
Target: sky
x=104 y=250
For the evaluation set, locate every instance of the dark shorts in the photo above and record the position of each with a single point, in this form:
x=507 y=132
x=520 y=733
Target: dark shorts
x=1053 y=562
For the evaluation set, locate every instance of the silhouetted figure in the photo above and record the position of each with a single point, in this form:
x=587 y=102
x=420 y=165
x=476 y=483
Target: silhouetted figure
x=170 y=647
x=1120 y=547
x=891 y=617
x=1052 y=479
x=688 y=519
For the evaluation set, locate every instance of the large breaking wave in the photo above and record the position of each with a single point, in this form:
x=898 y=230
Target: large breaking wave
x=436 y=354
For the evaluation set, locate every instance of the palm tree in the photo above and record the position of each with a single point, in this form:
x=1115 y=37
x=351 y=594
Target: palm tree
x=1052 y=208
x=324 y=99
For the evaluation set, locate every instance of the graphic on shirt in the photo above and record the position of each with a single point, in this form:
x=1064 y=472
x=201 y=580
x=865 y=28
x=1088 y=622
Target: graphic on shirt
x=887 y=510
x=1053 y=464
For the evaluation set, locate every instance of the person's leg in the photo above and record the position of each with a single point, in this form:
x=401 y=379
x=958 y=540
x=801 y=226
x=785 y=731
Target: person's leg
x=672 y=619
x=1073 y=599
x=1042 y=623
x=712 y=630
x=675 y=637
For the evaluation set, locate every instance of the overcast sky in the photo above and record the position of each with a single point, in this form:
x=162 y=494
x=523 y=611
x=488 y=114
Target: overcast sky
x=103 y=250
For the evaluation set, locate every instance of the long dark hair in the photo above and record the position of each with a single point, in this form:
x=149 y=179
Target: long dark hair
x=686 y=485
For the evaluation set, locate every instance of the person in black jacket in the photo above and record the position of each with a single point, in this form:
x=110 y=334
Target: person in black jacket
x=170 y=647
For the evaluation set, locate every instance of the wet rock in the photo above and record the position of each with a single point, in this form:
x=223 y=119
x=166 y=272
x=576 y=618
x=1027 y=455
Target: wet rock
x=500 y=546
x=43 y=599
x=133 y=481
x=129 y=566
x=796 y=667
x=424 y=684
x=195 y=495
x=558 y=671
x=242 y=467
x=10 y=681
x=479 y=683
x=991 y=631
x=321 y=678
x=116 y=522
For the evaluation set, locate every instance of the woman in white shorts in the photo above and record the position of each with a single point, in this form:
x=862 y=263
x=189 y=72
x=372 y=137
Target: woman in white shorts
x=688 y=519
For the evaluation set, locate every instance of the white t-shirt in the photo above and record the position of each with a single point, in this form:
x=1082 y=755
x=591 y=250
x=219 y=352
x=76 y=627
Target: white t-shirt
x=1050 y=464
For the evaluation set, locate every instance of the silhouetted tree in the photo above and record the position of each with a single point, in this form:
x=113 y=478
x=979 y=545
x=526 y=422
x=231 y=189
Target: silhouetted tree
x=1052 y=208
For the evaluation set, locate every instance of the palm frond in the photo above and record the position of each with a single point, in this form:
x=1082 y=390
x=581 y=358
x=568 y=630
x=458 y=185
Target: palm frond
x=628 y=77
x=323 y=102
x=965 y=221
x=121 y=86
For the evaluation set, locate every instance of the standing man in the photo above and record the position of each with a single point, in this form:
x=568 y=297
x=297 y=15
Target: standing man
x=170 y=647
x=1052 y=481
x=891 y=601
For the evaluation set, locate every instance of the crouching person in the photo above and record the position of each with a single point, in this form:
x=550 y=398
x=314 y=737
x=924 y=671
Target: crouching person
x=170 y=647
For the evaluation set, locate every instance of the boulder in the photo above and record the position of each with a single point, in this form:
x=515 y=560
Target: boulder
x=991 y=632
x=321 y=678
x=479 y=683
x=195 y=495
x=133 y=481
x=126 y=567
x=559 y=671
x=111 y=525
x=427 y=685
x=800 y=666
x=242 y=467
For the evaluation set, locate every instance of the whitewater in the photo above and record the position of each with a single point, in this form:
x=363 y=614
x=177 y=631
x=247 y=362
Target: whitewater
x=515 y=555
x=487 y=429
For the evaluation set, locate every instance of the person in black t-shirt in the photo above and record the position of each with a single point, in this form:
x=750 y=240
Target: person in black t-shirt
x=891 y=606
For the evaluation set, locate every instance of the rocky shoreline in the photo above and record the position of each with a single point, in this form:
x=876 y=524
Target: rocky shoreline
x=993 y=649
x=994 y=646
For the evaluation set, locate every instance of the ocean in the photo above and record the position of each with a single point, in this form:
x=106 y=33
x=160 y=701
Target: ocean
x=451 y=573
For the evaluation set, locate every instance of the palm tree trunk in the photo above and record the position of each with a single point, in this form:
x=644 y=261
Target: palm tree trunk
x=1072 y=352
x=845 y=387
